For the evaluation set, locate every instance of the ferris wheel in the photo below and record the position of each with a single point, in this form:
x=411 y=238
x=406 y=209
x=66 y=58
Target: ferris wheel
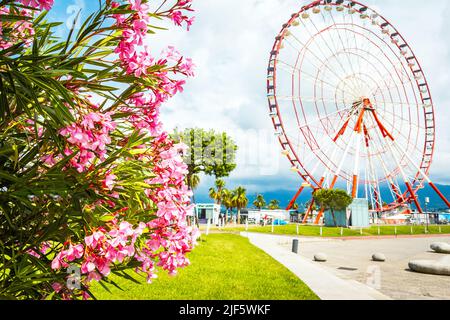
x=351 y=105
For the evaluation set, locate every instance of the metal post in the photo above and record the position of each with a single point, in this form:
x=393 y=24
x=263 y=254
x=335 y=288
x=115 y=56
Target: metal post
x=208 y=225
x=295 y=246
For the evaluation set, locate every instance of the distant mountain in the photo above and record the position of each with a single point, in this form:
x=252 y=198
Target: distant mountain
x=285 y=196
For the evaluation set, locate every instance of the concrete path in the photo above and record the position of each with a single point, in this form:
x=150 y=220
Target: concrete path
x=324 y=283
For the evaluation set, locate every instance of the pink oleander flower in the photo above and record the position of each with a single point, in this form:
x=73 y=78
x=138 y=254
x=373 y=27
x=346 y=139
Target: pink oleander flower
x=38 y=4
x=187 y=67
x=57 y=287
x=109 y=182
x=63 y=258
x=49 y=160
x=172 y=54
x=90 y=136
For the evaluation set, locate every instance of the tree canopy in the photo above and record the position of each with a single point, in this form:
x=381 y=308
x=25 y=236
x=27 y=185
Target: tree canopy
x=217 y=193
x=333 y=200
x=210 y=152
x=274 y=205
x=240 y=200
x=259 y=202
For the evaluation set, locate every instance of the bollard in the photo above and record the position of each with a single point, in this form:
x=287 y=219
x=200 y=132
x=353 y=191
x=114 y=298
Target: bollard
x=298 y=231
x=208 y=225
x=295 y=246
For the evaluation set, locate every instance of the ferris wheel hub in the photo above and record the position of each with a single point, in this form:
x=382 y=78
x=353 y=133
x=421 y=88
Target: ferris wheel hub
x=367 y=102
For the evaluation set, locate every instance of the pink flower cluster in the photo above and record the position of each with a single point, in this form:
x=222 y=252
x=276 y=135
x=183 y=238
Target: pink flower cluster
x=177 y=16
x=38 y=4
x=89 y=137
x=44 y=247
x=171 y=238
x=132 y=51
x=65 y=257
x=101 y=250
x=22 y=30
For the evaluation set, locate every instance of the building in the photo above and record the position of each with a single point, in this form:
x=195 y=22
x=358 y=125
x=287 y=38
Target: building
x=256 y=216
x=444 y=218
x=357 y=216
x=207 y=211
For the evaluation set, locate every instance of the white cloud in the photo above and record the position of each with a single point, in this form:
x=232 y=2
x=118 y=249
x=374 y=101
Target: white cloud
x=230 y=44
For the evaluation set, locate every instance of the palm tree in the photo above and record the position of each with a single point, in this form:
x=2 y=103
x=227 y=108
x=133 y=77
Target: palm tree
x=217 y=194
x=193 y=183
x=259 y=202
x=240 y=201
x=274 y=205
x=227 y=200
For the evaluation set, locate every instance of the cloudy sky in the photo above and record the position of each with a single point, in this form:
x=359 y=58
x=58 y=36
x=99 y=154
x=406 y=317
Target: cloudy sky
x=230 y=44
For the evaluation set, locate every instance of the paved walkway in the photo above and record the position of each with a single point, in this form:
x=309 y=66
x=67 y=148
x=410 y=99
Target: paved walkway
x=324 y=283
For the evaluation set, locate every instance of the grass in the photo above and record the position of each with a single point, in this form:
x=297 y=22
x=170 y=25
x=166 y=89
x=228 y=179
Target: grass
x=314 y=231
x=223 y=267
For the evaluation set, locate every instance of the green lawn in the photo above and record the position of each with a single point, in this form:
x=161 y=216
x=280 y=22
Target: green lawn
x=223 y=267
x=314 y=231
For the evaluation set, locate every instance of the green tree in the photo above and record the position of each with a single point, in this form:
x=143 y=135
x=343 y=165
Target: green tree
x=332 y=200
x=227 y=201
x=209 y=152
x=220 y=155
x=274 y=205
x=240 y=201
x=259 y=202
x=193 y=181
x=217 y=193
x=313 y=207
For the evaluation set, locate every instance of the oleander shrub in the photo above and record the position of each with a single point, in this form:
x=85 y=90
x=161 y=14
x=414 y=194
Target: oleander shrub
x=90 y=183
